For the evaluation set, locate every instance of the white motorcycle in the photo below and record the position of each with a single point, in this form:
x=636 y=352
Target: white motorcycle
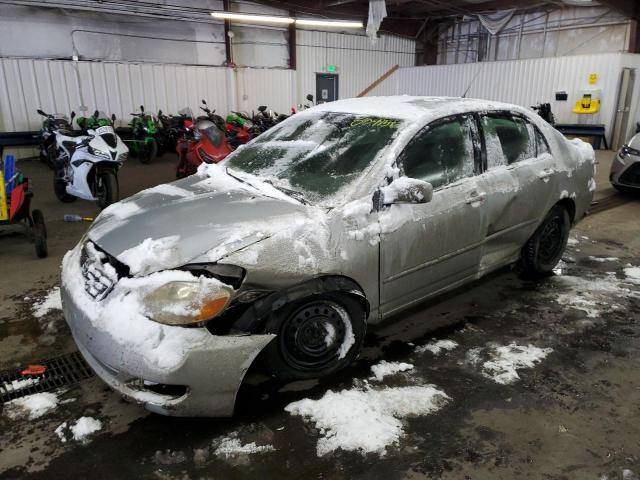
x=87 y=164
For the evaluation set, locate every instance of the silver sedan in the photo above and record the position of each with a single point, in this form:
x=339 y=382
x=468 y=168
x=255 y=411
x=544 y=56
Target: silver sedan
x=334 y=220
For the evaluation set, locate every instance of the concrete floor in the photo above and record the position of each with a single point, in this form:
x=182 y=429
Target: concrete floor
x=575 y=415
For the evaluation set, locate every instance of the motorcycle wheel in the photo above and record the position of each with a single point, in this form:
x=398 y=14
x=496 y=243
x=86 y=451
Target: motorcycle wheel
x=39 y=231
x=60 y=189
x=107 y=191
x=149 y=151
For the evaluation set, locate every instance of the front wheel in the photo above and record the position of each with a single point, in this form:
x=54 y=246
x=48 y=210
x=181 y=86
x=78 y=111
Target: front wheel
x=107 y=191
x=315 y=337
x=60 y=189
x=543 y=250
x=149 y=151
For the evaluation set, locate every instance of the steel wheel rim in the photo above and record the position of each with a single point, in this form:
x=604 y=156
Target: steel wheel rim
x=550 y=243
x=311 y=338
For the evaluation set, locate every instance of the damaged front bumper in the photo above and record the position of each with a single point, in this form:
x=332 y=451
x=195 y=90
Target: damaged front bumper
x=202 y=377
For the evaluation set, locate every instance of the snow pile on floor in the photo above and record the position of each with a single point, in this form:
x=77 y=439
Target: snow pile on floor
x=385 y=368
x=633 y=274
x=80 y=430
x=603 y=259
x=507 y=359
x=365 y=419
x=31 y=406
x=232 y=446
x=152 y=255
x=52 y=301
x=437 y=346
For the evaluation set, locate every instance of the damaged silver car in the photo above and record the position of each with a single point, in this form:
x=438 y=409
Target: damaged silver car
x=337 y=218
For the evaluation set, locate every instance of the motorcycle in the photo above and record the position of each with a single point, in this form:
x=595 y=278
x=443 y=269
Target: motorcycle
x=239 y=129
x=87 y=163
x=46 y=136
x=144 y=127
x=169 y=130
x=200 y=142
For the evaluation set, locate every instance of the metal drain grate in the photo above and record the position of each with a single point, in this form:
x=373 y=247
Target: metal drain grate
x=62 y=371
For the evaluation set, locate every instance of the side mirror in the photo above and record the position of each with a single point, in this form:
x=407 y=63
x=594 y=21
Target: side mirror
x=40 y=112
x=96 y=114
x=262 y=108
x=204 y=102
x=113 y=117
x=310 y=97
x=142 y=108
x=73 y=115
x=159 y=112
x=403 y=190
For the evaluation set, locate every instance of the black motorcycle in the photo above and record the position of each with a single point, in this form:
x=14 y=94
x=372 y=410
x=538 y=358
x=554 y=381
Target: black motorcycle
x=47 y=138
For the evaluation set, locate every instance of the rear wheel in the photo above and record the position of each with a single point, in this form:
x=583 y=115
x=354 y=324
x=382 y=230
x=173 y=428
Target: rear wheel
x=39 y=234
x=315 y=337
x=60 y=189
x=107 y=191
x=543 y=250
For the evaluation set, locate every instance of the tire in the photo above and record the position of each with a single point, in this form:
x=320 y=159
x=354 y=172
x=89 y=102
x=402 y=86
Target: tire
x=544 y=249
x=149 y=151
x=60 y=189
x=40 y=240
x=38 y=219
x=107 y=190
x=312 y=337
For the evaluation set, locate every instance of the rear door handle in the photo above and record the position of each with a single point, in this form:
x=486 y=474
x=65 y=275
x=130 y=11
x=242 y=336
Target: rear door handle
x=476 y=197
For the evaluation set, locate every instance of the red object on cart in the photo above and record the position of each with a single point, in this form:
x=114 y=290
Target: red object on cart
x=17 y=199
x=33 y=370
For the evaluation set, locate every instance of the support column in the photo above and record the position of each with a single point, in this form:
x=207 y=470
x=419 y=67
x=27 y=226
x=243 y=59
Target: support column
x=292 y=43
x=634 y=37
x=227 y=38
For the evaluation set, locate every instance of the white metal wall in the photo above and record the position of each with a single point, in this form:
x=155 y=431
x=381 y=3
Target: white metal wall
x=358 y=63
x=525 y=82
x=62 y=86
x=263 y=86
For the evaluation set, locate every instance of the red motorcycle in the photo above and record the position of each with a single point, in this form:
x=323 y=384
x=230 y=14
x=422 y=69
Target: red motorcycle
x=202 y=142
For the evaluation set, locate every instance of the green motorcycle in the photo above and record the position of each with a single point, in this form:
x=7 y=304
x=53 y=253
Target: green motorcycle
x=143 y=143
x=97 y=120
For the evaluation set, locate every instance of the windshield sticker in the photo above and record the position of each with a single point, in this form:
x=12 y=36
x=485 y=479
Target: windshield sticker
x=375 y=122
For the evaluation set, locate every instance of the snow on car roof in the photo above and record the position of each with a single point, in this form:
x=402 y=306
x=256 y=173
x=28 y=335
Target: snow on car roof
x=411 y=108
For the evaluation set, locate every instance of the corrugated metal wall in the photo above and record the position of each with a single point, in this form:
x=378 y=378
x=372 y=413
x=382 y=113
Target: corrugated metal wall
x=358 y=63
x=263 y=86
x=524 y=82
x=120 y=88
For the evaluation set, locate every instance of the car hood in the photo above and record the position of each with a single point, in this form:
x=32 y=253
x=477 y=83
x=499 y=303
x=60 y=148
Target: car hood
x=201 y=217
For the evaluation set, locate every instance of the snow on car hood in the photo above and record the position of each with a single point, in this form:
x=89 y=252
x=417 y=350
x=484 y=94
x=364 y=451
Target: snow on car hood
x=210 y=214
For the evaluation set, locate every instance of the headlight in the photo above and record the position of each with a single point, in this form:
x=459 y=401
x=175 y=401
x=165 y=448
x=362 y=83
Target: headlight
x=627 y=150
x=184 y=302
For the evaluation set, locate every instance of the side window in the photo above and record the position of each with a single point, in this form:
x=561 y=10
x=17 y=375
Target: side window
x=541 y=144
x=440 y=154
x=508 y=139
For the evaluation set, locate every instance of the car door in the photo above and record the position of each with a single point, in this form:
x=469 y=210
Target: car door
x=519 y=181
x=427 y=248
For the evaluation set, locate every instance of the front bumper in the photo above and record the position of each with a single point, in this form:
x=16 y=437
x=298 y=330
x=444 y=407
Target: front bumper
x=210 y=367
x=625 y=172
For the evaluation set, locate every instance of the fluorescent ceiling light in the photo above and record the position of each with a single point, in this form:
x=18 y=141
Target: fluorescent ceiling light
x=330 y=23
x=243 y=17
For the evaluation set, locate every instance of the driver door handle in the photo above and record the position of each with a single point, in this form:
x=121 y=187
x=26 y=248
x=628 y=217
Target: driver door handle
x=476 y=197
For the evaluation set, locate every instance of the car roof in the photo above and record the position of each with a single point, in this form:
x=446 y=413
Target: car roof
x=412 y=108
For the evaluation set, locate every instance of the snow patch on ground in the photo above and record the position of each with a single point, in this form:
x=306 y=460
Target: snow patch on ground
x=52 y=301
x=231 y=446
x=31 y=406
x=79 y=431
x=13 y=385
x=151 y=255
x=603 y=259
x=366 y=420
x=633 y=274
x=591 y=295
x=437 y=346
x=508 y=359
x=385 y=368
